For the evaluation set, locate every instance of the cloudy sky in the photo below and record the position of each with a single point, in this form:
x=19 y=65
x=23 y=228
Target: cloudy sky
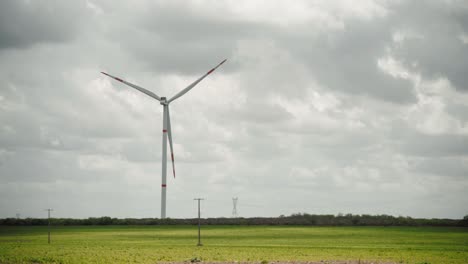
x=322 y=107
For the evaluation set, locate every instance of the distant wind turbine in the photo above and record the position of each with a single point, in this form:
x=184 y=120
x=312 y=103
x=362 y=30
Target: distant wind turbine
x=167 y=131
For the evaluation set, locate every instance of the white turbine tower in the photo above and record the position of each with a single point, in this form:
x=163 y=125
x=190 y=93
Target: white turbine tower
x=167 y=132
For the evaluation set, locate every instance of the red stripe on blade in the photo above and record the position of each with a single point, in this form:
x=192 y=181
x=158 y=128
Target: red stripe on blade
x=164 y=130
x=163 y=185
x=118 y=79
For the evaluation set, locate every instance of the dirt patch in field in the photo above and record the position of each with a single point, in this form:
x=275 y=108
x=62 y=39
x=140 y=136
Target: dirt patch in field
x=291 y=262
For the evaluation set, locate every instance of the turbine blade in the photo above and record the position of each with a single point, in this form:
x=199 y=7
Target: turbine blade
x=179 y=94
x=169 y=135
x=143 y=90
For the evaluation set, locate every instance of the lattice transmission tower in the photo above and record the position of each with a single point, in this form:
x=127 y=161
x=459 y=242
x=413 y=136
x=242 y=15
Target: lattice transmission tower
x=234 y=207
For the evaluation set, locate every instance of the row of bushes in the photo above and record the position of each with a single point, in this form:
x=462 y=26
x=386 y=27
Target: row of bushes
x=295 y=219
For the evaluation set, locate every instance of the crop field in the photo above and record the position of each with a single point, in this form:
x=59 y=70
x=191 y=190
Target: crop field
x=153 y=244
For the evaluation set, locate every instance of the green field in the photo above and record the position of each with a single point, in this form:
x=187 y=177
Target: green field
x=152 y=244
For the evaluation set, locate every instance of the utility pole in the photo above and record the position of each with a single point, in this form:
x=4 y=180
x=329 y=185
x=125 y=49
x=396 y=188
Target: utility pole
x=48 y=223
x=234 y=207
x=199 y=241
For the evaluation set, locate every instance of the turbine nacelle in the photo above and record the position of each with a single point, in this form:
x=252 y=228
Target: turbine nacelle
x=163 y=101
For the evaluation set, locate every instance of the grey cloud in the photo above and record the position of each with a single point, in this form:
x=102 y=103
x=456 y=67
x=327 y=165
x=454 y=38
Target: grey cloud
x=35 y=165
x=459 y=111
x=141 y=150
x=346 y=60
x=445 y=167
x=93 y=145
x=442 y=145
x=180 y=40
x=24 y=23
x=34 y=124
x=436 y=49
x=259 y=112
x=175 y=38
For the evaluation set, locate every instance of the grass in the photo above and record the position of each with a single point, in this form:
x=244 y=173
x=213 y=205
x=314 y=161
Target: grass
x=152 y=244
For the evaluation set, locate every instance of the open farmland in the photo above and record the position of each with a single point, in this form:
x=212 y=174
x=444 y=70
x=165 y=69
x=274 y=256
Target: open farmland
x=151 y=244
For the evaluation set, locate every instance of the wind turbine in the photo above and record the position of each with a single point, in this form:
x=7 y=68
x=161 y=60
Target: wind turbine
x=167 y=132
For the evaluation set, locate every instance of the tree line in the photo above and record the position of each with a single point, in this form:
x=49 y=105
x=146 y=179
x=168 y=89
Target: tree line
x=300 y=219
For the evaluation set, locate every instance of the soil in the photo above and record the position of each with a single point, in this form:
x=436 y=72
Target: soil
x=292 y=262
